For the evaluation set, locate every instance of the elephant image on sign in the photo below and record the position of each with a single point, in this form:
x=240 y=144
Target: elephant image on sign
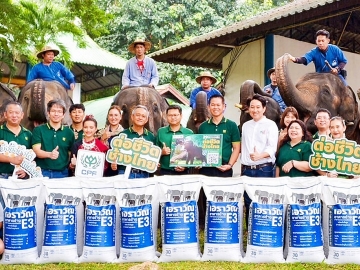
x=298 y=198
x=200 y=113
x=194 y=152
x=217 y=195
x=13 y=200
x=314 y=91
x=56 y=198
x=352 y=198
x=173 y=195
x=232 y=197
x=247 y=90
x=34 y=98
x=187 y=195
x=313 y=198
x=129 y=199
x=262 y=196
x=6 y=96
x=340 y=197
x=277 y=198
x=130 y=97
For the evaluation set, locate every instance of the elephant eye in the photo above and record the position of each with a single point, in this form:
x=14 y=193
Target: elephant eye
x=155 y=108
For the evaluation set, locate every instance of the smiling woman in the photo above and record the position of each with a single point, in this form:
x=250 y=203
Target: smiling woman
x=295 y=149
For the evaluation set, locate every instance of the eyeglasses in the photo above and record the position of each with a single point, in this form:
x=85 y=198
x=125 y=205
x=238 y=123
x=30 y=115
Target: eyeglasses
x=173 y=115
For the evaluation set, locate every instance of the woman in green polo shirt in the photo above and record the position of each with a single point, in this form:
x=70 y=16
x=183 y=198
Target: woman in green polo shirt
x=295 y=149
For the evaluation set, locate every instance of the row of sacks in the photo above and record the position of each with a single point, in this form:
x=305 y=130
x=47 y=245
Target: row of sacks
x=115 y=220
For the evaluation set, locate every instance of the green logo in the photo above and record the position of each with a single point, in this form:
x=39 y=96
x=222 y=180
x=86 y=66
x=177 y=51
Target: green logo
x=90 y=162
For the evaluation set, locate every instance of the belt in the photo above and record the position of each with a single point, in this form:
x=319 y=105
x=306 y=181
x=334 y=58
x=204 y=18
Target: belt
x=255 y=167
x=137 y=171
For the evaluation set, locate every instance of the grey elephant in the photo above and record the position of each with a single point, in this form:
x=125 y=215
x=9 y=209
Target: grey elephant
x=352 y=198
x=298 y=198
x=174 y=195
x=187 y=195
x=217 y=195
x=340 y=197
x=314 y=91
x=277 y=198
x=128 y=98
x=129 y=199
x=13 y=200
x=34 y=98
x=313 y=198
x=200 y=113
x=263 y=196
x=140 y=199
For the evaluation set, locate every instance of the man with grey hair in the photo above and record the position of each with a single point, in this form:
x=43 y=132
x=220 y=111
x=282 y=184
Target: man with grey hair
x=11 y=130
x=139 y=118
x=52 y=142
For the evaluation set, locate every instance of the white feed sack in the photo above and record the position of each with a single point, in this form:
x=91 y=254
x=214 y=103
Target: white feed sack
x=179 y=218
x=100 y=221
x=342 y=199
x=266 y=219
x=63 y=222
x=23 y=215
x=223 y=222
x=304 y=236
x=139 y=206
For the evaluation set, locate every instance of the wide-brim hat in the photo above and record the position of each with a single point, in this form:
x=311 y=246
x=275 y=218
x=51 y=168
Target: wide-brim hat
x=271 y=70
x=205 y=74
x=47 y=49
x=147 y=45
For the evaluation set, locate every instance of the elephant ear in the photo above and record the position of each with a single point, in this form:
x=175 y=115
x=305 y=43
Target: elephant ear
x=163 y=106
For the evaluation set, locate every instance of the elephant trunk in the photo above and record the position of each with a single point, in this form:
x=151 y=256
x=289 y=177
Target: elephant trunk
x=142 y=96
x=37 y=106
x=201 y=110
x=290 y=94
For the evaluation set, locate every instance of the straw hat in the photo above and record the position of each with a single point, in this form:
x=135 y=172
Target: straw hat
x=205 y=74
x=147 y=45
x=46 y=49
x=271 y=70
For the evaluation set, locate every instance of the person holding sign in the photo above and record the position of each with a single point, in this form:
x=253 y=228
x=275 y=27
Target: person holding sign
x=164 y=138
x=218 y=124
x=52 y=142
x=139 y=118
x=295 y=149
x=11 y=130
x=89 y=142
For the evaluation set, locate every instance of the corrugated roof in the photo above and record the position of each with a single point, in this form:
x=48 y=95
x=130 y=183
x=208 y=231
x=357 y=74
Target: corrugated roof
x=207 y=50
x=92 y=54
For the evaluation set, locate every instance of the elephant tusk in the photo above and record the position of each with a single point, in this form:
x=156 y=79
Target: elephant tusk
x=239 y=106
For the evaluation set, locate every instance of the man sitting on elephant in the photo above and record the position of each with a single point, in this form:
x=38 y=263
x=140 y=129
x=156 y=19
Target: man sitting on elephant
x=206 y=79
x=326 y=57
x=50 y=70
x=140 y=70
x=273 y=89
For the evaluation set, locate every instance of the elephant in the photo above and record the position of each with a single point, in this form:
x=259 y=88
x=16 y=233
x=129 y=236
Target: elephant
x=247 y=90
x=352 y=198
x=13 y=200
x=313 y=198
x=218 y=195
x=200 y=113
x=298 y=198
x=194 y=152
x=34 y=97
x=6 y=96
x=187 y=195
x=263 y=196
x=174 y=195
x=277 y=198
x=314 y=91
x=128 y=98
x=340 y=197
x=129 y=199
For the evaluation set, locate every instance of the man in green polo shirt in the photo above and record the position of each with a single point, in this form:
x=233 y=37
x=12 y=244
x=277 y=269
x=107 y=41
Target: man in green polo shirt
x=139 y=118
x=52 y=142
x=164 y=138
x=11 y=130
x=218 y=124
x=77 y=114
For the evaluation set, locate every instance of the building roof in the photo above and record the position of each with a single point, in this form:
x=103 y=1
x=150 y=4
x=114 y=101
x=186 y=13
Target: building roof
x=95 y=68
x=299 y=20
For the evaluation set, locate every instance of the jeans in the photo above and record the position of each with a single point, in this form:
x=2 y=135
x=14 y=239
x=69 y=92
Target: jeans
x=267 y=171
x=136 y=174
x=55 y=174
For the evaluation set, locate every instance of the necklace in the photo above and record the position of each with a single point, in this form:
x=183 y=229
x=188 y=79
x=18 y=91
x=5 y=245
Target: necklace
x=88 y=145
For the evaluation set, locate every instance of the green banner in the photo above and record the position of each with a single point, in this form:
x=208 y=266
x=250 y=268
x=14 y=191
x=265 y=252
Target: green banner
x=196 y=150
